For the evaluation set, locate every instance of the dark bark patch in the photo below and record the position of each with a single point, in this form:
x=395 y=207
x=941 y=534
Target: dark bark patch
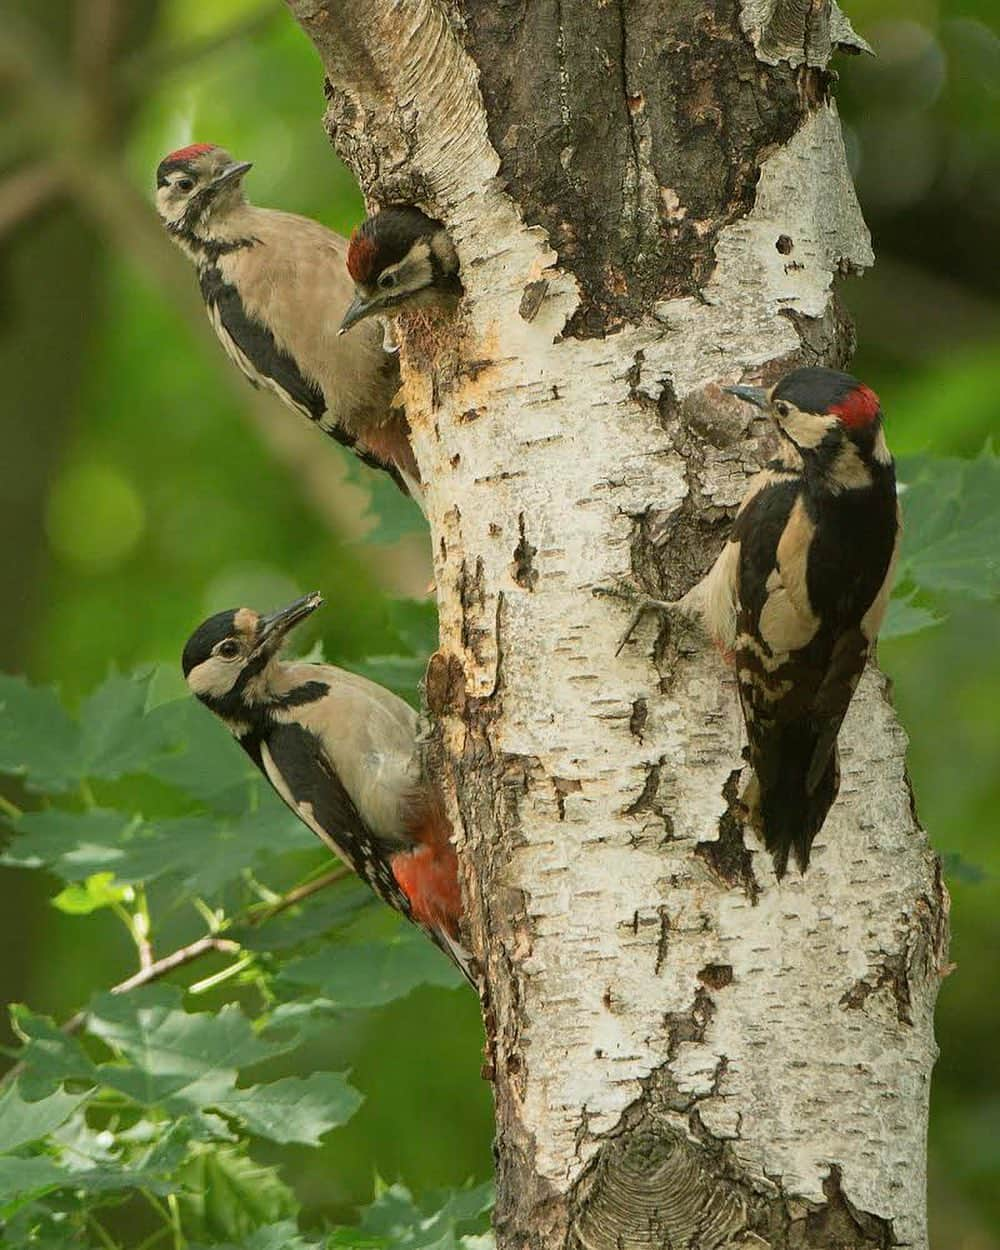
x=637 y=721
x=562 y=787
x=531 y=300
x=716 y=976
x=839 y=1225
x=523 y=569
x=651 y=801
x=632 y=134
x=891 y=975
x=728 y=856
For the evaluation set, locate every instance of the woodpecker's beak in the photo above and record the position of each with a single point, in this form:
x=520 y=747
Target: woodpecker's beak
x=271 y=630
x=756 y=395
x=358 y=310
x=231 y=173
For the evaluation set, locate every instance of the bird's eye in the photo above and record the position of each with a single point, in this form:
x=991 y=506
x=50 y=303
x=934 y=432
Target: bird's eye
x=781 y=409
x=387 y=280
x=185 y=184
x=229 y=649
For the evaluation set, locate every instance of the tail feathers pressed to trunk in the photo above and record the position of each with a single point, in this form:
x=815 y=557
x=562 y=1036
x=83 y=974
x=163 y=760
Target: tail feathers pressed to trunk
x=428 y=876
x=784 y=809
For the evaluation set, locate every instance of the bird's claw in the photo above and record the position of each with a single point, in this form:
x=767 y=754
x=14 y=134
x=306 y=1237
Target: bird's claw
x=642 y=602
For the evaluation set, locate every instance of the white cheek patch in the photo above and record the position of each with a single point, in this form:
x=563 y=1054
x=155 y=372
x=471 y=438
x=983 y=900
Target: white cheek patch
x=213 y=677
x=807 y=429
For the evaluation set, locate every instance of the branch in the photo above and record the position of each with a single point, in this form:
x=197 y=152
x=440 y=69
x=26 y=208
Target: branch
x=251 y=917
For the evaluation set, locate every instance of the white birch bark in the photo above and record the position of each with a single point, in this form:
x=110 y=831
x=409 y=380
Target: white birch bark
x=686 y=1053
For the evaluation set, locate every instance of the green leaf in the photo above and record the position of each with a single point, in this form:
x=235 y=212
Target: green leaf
x=394 y=1221
x=183 y=1060
x=371 y=974
x=227 y=1197
x=295 y=1109
x=23 y=1179
x=283 y=1236
x=906 y=617
x=37 y=738
x=73 y=845
x=49 y=1055
x=189 y=1062
x=206 y=853
x=208 y=763
x=117 y=737
x=22 y=1122
x=96 y=892
x=951 y=516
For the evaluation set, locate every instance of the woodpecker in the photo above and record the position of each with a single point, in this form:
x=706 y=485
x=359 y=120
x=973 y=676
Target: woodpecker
x=341 y=752
x=400 y=259
x=797 y=596
x=276 y=289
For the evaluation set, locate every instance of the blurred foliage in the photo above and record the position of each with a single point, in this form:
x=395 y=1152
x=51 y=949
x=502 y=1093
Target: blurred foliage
x=141 y=495
x=158 y=1105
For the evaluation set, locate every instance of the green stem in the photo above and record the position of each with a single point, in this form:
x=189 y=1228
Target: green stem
x=102 y=1233
x=180 y=1241
x=211 y=982
x=8 y=808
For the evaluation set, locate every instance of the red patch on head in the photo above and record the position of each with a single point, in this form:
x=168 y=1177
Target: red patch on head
x=188 y=153
x=360 y=256
x=858 y=408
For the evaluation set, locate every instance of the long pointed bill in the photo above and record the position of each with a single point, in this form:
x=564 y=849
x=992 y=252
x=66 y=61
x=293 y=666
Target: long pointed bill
x=231 y=173
x=272 y=629
x=756 y=395
x=358 y=310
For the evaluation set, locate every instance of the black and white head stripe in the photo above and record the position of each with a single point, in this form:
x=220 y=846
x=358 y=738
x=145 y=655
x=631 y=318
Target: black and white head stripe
x=206 y=638
x=384 y=239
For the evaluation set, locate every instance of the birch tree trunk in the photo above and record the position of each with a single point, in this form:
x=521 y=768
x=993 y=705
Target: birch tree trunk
x=648 y=200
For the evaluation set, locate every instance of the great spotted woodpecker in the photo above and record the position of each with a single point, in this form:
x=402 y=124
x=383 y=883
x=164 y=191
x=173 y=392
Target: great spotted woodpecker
x=400 y=259
x=798 y=594
x=341 y=752
x=276 y=288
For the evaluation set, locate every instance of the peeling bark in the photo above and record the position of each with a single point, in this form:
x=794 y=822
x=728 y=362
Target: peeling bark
x=646 y=204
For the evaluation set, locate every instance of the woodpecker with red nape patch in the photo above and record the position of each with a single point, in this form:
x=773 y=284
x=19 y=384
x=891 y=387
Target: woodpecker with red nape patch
x=341 y=751
x=276 y=288
x=798 y=594
x=400 y=259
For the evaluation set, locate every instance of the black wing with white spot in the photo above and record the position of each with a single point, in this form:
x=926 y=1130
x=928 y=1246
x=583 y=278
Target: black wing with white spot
x=295 y=764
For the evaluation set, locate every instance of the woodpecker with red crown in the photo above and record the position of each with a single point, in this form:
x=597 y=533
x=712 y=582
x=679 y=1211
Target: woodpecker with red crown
x=400 y=259
x=341 y=751
x=277 y=291
x=799 y=592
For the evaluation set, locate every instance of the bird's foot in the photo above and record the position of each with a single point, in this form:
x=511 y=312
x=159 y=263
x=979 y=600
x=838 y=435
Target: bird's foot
x=675 y=611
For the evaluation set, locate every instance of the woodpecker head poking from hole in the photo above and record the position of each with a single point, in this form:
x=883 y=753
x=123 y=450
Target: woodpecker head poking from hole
x=227 y=658
x=400 y=258
x=829 y=418
x=195 y=185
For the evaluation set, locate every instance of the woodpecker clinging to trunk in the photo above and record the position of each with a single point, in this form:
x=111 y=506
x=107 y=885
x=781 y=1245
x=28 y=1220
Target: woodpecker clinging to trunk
x=341 y=752
x=400 y=258
x=798 y=594
x=276 y=288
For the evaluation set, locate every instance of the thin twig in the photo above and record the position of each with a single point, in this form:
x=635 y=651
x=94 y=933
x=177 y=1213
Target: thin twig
x=159 y=969
x=255 y=918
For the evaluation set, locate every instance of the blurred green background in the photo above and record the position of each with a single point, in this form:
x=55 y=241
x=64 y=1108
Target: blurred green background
x=144 y=485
